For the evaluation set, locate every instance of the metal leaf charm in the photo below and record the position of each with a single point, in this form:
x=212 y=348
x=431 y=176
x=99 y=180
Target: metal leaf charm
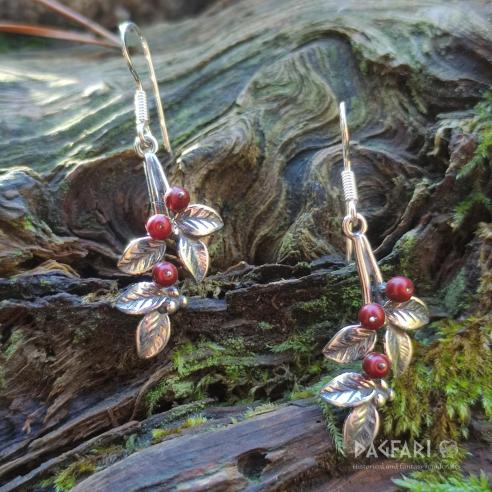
x=360 y=428
x=348 y=390
x=194 y=255
x=349 y=344
x=140 y=298
x=153 y=333
x=408 y=315
x=141 y=255
x=398 y=347
x=199 y=220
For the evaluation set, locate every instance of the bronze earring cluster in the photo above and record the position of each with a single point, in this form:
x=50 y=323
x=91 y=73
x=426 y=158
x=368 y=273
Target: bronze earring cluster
x=389 y=305
x=176 y=224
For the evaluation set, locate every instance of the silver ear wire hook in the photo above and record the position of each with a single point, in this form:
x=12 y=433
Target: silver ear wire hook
x=348 y=179
x=366 y=263
x=145 y=140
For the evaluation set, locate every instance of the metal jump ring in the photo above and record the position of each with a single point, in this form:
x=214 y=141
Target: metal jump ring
x=147 y=144
x=349 y=223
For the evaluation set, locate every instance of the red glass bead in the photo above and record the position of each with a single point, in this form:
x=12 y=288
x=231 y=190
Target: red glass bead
x=376 y=365
x=400 y=289
x=159 y=226
x=165 y=274
x=177 y=199
x=372 y=316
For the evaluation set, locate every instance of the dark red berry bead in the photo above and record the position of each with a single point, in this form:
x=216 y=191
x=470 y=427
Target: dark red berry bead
x=177 y=199
x=159 y=227
x=165 y=274
x=400 y=289
x=376 y=365
x=372 y=316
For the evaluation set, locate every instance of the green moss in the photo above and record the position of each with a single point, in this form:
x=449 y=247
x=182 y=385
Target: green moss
x=131 y=443
x=466 y=207
x=351 y=300
x=339 y=297
x=317 y=309
x=406 y=249
x=160 y=434
x=299 y=394
x=259 y=410
x=436 y=395
x=456 y=297
x=263 y=325
x=434 y=483
x=198 y=366
x=28 y=224
x=290 y=247
x=483 y=129
x=209 y=287
x=301 y=344
x=172 y=387
x=67 y=478
x=105 y=451
x=229 y=370
x=15 y=341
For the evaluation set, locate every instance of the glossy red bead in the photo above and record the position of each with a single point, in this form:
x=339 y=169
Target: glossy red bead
x=159 y=226
x=399 y=289
x=165 y=274
x=376 y=365
x=372 y=316
x=177 y=199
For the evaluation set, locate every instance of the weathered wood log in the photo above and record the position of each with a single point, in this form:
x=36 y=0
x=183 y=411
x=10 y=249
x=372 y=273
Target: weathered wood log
x=270 y=446
x=251 y=98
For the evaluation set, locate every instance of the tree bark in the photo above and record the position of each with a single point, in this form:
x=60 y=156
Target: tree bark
x=251 y=96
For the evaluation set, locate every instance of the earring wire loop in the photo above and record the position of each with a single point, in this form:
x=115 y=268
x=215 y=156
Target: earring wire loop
x=125 y=30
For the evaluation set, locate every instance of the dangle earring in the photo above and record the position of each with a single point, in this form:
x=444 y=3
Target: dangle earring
x=391 y=305
x=174 y=223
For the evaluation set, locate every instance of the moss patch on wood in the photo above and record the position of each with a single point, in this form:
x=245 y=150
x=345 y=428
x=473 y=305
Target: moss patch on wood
x=66 y=478
x=449 y=378
x=160 y=434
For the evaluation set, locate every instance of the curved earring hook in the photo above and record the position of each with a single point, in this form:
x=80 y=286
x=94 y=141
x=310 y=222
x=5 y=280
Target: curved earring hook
x=348 y=177
x=125 y=29
x=349 y=185
x=345 y=137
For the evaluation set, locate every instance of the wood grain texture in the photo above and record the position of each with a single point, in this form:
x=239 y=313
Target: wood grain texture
x=265 y=449
x=251 y=96
x=251 y=102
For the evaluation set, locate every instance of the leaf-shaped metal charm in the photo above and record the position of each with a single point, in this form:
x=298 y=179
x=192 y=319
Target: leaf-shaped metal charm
x=153 y=333
x=199 y=220
x=398 y=347
x=349 y=344
x=408 y=315
x=360 y=428
x=194 y=255
x=348 y=390
x=140 y=298
x=141 y=255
